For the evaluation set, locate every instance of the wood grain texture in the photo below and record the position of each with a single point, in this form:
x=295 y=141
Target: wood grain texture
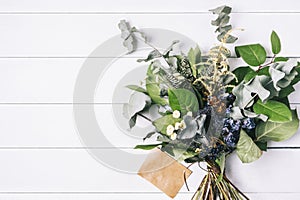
x=53 y=126
x=43 y=47
x=155 y=6
x=130 y=196
x=72 y=171
x=52 y=80
x=76 y=35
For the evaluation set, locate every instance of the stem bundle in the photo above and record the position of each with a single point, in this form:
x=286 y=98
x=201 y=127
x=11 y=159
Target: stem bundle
x=215 y=186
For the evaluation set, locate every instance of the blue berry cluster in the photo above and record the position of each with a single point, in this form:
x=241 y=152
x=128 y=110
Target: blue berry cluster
x=231 y=130
x=216 y=151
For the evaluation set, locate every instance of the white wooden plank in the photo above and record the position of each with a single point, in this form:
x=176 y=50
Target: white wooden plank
x=136 y=6
x=52 y=126
x=77 y=35
x=137 y=196
x=76 y=171
x=53 y=80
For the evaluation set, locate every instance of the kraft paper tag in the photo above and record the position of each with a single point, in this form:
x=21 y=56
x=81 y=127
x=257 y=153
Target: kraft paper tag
x=166 y=173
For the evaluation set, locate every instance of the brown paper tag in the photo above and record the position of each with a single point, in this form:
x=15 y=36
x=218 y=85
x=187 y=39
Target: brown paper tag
x=166 y=173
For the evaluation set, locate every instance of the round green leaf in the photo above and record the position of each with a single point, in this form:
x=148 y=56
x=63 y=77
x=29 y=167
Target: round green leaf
x=183 y=100
x=253 y=54
x=277 y=131
x=246 y=149
x=276 y=111
x=162 y=123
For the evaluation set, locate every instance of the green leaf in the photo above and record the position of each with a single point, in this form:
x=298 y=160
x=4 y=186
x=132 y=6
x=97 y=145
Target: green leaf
x=221 y=162
x=280 y=59
x=152 y=85
x=162 y=123
x=149 y=135
x=276 y=111
x=253 y=54
x=154 y=92
x=194 y=57
x=277 y=131
x=286 y=91
x=137 y=88
x=147 y=146
x=246 y=149
x=262 y=145
x=132 y=121
x=252 y=74
x=183 y=100
x=297 y=78
x=275 y=41
x=242 y=72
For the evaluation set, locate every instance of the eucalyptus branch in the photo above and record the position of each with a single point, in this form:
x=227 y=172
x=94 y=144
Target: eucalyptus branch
x=143 y=116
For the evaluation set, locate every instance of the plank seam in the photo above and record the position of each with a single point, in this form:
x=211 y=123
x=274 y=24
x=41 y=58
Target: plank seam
x=136 y=13
x=107 y=148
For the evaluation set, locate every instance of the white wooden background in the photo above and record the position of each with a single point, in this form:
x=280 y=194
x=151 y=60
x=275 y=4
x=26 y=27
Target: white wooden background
x=42 y=47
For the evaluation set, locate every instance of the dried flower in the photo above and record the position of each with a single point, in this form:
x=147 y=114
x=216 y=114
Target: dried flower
x=173 y=136
x=176 y=114
x=170 y=129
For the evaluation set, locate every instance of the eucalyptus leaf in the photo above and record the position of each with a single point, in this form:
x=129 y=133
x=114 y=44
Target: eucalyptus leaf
x=253 y=54
x=225 y=37
x=152 y=84
x=275 y=41
x=137 y=88
x=244 y=98
x=129 y=40
x=222 y=23
x=277 y=131
x=251 y=114
x=276 y=76
x=236 y=113
x=256 y=85
x=137 y=103
x=283 y=73
x=194 y=57
x=152 y=55
x=190 y=130
x=183 y=100
x=221 y=9
x=246 y=149
x=170 y=48
x=297 y=77
x=276 y=111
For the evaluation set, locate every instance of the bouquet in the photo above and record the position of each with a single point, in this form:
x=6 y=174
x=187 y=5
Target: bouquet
x=205 y=111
